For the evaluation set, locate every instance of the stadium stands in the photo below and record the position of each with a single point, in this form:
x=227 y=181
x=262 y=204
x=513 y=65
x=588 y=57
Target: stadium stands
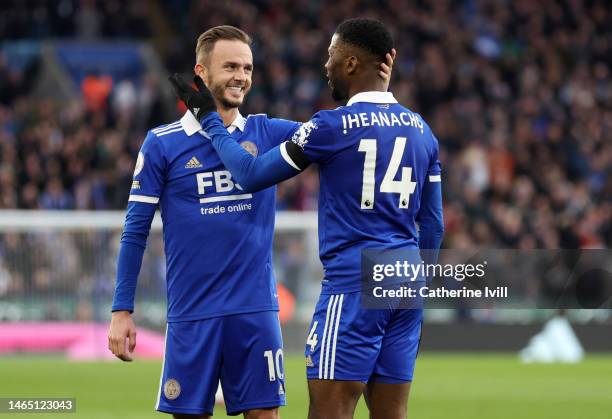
x=519 y=96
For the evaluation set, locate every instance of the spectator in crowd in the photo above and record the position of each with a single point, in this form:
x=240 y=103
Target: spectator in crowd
x=96 y=89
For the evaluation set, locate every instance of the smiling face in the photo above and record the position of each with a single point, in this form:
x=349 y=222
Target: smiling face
x=335 y=69
x=227 y=72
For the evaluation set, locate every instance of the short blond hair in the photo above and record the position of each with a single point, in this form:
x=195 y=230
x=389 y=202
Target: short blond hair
x=206 y=41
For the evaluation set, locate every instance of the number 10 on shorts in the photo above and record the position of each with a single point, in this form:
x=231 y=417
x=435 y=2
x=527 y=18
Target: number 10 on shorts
x=275 y=364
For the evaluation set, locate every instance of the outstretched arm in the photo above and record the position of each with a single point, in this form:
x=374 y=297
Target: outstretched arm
x=253 y=174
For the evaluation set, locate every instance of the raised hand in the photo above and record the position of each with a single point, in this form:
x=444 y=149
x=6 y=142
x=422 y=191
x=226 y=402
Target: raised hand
x=387 y=67
x=199 y=101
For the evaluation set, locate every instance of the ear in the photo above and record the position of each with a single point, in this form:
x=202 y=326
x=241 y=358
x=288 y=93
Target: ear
x=351 y=65
x=201 y=71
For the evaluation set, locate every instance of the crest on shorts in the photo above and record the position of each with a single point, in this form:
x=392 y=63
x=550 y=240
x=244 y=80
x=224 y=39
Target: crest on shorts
x=250 y=147
x=172 y=389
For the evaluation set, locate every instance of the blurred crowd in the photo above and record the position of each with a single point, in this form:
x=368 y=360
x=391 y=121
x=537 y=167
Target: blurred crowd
x=75 y=19
x=75 y=155
x=519 y=94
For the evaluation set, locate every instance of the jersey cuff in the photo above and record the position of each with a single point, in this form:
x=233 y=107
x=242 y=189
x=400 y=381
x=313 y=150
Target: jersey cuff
x=294 y=156
x=144 y=198
x=121 y=308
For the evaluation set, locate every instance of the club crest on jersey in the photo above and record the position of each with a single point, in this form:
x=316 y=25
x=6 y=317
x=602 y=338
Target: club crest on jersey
x=140 y=161
x=301 y=135
x=172 y=389
x=250 y=147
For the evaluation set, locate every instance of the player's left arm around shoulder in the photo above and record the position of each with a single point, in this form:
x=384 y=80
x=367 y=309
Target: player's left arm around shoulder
x=254 y=173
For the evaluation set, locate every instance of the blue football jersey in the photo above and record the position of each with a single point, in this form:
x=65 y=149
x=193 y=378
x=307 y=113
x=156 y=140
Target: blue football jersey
x=217 y=238
x=374 y=157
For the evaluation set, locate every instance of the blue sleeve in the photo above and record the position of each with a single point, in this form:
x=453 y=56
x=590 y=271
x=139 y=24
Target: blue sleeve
x=430 y=217
x=150 y=172
x=316 y=138
x=133 y=242
x=252 y=173
x=280 y=130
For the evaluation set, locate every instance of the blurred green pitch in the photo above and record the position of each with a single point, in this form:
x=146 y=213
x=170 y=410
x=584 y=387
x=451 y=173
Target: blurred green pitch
x=447 y=386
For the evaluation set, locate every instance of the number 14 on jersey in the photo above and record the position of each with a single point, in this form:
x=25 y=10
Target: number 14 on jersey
x=404 y=187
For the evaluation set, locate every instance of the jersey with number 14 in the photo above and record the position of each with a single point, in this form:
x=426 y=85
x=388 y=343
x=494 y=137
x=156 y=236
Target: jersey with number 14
x=374 y=157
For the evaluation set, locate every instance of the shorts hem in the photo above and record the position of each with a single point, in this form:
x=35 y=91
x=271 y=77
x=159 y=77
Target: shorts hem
x=236 y=410
x=340 y=378
x=171 y=410
x=390 y=380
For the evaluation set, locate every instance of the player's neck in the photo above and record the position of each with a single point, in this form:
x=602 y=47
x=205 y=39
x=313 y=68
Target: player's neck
x=366 y=85
x=228 y=115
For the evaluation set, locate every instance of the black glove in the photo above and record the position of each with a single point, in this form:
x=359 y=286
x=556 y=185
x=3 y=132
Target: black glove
x=200 y=102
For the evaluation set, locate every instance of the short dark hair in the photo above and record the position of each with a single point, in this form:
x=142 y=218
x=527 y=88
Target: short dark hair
x=368 y=34
x=208 y=39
